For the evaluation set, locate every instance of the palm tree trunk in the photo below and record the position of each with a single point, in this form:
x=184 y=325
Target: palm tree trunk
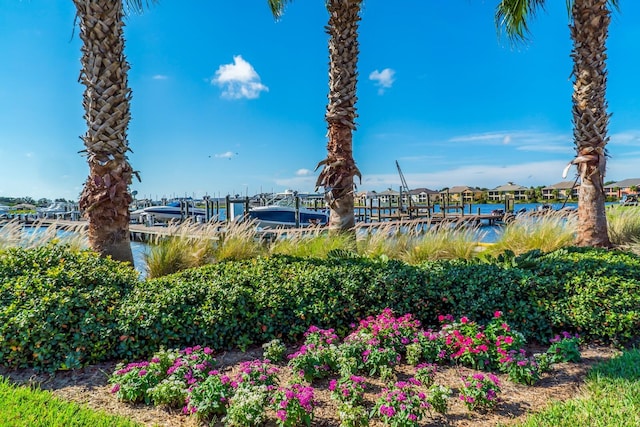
x=339 y=166
x=589 y=31
x=105 y=199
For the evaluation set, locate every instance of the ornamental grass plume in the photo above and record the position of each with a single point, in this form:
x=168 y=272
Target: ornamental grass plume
x=444 y=242
x=238 y=241
x=187 y=245
x=385 y=241
x=312 y=243
x=623 y=223
x=12 y=235
x=547 y=233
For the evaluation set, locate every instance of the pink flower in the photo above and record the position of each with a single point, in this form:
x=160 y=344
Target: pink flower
x=497 y=314
x=387 y=410
x=464 y=319
x=115 y=388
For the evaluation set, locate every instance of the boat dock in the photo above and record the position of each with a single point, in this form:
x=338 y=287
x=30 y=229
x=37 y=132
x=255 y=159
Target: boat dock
x=150 y=232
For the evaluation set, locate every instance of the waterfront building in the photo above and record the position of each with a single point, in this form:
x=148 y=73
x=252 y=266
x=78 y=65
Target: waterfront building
x=509 y=190
x=461 y=194
x=621 y=188
x=561 y=190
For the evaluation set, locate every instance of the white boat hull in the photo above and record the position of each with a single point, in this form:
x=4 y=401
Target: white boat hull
x=275 y=216
x=164 y=213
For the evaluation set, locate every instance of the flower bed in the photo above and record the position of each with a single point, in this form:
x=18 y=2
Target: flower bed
x=252 y=393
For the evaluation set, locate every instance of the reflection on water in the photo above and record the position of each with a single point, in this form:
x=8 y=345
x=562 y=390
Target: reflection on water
x=138 y=249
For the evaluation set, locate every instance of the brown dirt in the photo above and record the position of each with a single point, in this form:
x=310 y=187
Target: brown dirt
x=89 y=386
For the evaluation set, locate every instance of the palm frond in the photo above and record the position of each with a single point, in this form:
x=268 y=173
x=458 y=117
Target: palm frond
x=137 y=6
x=277 y=7
x=513 y=16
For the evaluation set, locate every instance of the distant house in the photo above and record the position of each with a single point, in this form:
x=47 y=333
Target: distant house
x=362 y=198
x=561 y=190
x=424 y=195
x=461 y=194
x=510 y=190
x=620 y=188
x=388 y=196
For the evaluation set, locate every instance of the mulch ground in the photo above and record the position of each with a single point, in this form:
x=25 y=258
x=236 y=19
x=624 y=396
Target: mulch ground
x=89 y=386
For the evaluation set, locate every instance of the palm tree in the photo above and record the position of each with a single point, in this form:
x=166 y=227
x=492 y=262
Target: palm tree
x=589 y=29
x=339 y=168
x=105 y=198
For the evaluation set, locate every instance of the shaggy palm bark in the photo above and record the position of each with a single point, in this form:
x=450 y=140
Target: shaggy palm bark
x=589 y=32
x=105 y=199
x=339 y=169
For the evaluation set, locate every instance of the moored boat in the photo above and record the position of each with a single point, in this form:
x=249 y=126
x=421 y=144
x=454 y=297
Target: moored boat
x=175 y=210
x=284 y=210
x=629 y=200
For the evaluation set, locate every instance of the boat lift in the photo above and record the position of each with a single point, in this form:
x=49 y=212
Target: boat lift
x=404 y=188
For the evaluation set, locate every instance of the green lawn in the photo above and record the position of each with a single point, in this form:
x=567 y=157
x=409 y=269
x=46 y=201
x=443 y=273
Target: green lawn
x=610 y=398
x=23 y=406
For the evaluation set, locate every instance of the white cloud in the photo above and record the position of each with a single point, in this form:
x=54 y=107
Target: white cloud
x=522 y=139
x=383 y=79
x=226 y=155
x=566 y=148
x=631 y=137
x=303 y=172
x=160 y=77
x=494 y=137
x=239 y=80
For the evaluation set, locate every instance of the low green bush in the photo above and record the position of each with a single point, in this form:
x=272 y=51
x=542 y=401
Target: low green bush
x=595 y=292
x=251 y=302
x=61 y=309
x=57 y=306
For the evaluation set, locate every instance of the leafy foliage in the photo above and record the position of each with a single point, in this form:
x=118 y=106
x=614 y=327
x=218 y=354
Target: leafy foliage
x=58 y=307
x=61 y=309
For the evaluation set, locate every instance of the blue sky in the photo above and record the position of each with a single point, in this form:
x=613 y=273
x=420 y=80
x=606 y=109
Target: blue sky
x=226 y=100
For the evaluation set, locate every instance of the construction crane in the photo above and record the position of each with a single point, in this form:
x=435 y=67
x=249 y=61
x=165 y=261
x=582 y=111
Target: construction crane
x=404 y=188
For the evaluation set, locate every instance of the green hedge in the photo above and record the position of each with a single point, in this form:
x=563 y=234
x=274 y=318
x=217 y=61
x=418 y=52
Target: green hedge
x=57 y=307
x=250 y=302
x=60 y=309
x=595 y=292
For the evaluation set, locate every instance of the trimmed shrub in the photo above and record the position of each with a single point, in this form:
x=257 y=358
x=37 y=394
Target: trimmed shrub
x=595 y=292
x=57 y=306
x=62 y=309
x=251 y=302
